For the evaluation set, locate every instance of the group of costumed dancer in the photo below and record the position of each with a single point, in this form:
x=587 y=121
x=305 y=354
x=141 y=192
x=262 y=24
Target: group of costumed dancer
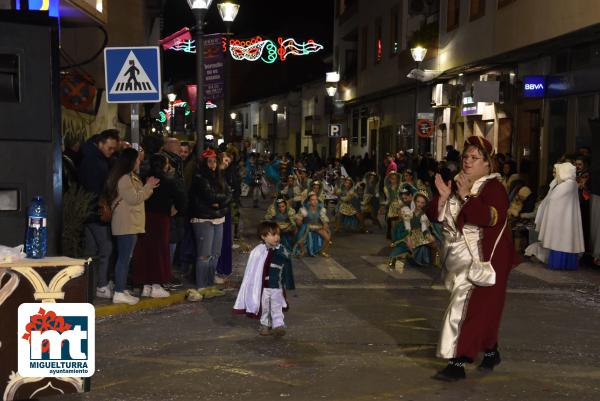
x=300 y=209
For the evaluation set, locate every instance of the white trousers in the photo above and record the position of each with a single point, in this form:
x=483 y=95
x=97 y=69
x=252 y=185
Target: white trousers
x=272 y=304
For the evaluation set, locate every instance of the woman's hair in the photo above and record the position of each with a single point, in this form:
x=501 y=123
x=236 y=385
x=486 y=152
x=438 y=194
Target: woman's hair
x=222 y=155
x=124 y=165
x=486 y=156
x=217 y=173
x=158 y=162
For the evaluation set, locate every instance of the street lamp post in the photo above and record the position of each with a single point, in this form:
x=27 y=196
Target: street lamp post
x=228 y=11
x=274 y=107
x=172 y=97
x=199 y=8
x=233 y=116
x=418 y=54
x=331 y=82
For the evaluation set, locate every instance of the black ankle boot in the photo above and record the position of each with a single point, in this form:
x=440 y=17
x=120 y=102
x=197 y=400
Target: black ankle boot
x=454 y=371
x=491 y=358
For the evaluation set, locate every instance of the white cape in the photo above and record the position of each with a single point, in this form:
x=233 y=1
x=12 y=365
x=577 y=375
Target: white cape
x=558 y=220
x=249 y=296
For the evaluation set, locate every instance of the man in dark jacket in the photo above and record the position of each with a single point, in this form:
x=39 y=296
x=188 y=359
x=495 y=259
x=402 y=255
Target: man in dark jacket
x=93 y=172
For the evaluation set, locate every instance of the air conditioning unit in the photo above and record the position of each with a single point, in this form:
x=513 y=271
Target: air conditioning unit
x=441 y=95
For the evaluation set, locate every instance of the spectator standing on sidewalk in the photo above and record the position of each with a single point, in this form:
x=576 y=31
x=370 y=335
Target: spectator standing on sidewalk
x=93 y=172
x=151 y=258
x=225 y=264
x=126 y=194
x=209 y=199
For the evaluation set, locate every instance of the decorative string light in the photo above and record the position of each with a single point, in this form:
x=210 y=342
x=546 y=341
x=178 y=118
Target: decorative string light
x=253 y=49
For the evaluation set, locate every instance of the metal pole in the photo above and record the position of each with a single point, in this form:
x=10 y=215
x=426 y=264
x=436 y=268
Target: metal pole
x=200 y=101
x=228 y=124
x=274 y=133
x=135 y=123
x=416 y=136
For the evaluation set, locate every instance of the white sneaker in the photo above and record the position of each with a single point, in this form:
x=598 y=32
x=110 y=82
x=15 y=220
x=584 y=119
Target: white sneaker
x=146 y=291
x=104 y=292
x=159 y=292
x=219 y=280
x=124 y=298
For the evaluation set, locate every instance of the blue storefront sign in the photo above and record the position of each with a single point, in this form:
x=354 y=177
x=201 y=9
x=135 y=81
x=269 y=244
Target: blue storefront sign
x=534 y=86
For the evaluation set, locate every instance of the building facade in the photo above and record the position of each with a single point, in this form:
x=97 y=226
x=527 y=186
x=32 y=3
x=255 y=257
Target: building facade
x=522 y=73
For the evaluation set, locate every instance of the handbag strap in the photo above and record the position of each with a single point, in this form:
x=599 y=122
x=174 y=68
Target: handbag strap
x=495 y=244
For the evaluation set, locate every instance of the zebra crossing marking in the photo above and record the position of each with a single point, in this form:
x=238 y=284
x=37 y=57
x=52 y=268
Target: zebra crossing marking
x=327 y=269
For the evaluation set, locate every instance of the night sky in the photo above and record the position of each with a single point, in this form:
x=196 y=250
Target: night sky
x=302 y=20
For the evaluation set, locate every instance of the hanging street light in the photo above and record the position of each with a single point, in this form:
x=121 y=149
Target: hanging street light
x=418 y=54
x=228 y=11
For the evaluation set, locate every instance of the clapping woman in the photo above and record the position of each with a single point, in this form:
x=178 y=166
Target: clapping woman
x=126 y=194
x=472 y=211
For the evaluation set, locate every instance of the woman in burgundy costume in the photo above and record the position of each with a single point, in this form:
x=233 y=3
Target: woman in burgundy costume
x=472 y=211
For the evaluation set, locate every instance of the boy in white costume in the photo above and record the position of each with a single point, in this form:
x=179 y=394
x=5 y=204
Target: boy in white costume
x=268 y=273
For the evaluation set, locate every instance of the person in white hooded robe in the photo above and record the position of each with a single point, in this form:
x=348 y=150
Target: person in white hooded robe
x=558 y=222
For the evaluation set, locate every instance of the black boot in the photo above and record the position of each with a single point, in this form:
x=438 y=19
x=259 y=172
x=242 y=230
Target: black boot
x=491 y=358
x=454 y=371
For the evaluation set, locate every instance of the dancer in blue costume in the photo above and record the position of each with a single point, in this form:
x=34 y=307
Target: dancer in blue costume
x=424 y=235
x=401 y=241
x=291 y=190
x=316 y=187
x=285 y=217
x=313 y=235
x=370 y=197
x=272 y=173
x=300 y=188
x=348 y=211
x=391 y=209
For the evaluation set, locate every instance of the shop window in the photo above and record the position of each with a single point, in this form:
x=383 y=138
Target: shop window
x=364 y=46
x=395 y=44
x=378 y=45
x=477 y=9
x=453 y=15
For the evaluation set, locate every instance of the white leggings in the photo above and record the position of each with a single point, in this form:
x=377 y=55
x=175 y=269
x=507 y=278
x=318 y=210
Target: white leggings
x=272 y=305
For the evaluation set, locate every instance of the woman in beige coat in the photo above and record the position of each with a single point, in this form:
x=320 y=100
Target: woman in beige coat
x=127 y=195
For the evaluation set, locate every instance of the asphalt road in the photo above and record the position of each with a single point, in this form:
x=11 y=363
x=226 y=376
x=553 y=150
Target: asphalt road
x=355 y=332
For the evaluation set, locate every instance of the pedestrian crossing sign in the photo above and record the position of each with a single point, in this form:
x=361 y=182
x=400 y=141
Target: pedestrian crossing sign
x=132 y=74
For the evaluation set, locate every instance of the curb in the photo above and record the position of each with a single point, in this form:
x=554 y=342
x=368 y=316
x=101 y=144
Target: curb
x=177 y=297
